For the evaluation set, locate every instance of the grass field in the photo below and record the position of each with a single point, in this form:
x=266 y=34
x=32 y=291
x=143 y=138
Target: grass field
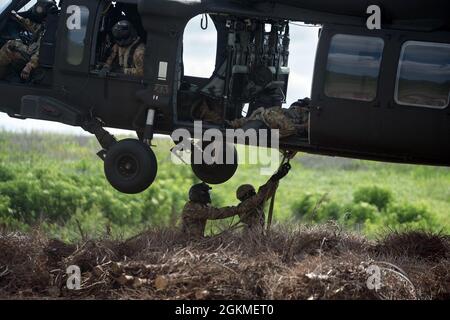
x=289 y=263
x=336 y=220
x=57 y=182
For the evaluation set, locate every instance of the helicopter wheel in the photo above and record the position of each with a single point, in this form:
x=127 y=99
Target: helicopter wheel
x=130 y=166
x=215 y=173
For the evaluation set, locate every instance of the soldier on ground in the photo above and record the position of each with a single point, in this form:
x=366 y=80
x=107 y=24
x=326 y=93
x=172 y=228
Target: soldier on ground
x=128 y=51
x=254 y=219
x=198 y=209
x=19 y=52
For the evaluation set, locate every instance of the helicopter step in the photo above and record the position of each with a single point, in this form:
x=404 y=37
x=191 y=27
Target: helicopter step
x=49 y=109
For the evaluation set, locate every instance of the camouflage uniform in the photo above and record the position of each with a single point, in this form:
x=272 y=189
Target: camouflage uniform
x=195 y=215
x=209 y=111
x=134 y=65
x=15 y=50
x=289 y=121
x=254 y=219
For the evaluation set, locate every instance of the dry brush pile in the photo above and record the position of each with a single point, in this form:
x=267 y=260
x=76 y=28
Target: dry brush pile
x=321 y=262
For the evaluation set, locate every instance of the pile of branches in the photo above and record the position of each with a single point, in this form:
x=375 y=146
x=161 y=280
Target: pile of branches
x=315 y=262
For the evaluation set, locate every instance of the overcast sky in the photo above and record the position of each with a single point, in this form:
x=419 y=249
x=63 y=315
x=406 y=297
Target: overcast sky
x=199 y=56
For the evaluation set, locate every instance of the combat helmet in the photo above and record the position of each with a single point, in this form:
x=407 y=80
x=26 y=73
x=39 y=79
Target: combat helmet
x=124 y=33
x=42 y=8
x=200 y=193
x=245 y=191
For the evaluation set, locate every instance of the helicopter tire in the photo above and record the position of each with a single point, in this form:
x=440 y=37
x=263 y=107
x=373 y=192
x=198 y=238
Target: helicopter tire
x=215 y=173
x=130 y=166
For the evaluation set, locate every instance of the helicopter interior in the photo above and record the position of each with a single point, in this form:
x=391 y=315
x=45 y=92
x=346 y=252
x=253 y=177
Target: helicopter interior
x=251 y=62
x=13 y=30
x=251 y=71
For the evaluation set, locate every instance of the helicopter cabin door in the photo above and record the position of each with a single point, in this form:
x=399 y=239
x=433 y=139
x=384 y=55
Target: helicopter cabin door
x=73 y=51
x=110 y=97
x=345 y=104
x=382 y=95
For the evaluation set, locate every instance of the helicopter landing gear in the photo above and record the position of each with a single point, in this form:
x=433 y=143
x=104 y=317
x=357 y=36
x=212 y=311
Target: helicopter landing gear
x=219 y=170
x=130 y=166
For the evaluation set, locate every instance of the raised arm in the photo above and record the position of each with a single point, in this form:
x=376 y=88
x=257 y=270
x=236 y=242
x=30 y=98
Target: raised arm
x=27 y=23
x=213 y=213
x=268 y=189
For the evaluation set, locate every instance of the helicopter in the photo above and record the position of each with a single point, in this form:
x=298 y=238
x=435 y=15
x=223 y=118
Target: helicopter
x=378 y=93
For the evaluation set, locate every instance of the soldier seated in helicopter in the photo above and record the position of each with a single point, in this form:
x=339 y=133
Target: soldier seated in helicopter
x=127 y=54
x=23 y=53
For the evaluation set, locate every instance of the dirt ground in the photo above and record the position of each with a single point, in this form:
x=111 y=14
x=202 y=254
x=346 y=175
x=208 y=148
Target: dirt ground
x=317 y=262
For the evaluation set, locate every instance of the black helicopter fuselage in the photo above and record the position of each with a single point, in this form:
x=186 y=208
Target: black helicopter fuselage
x=379 y=110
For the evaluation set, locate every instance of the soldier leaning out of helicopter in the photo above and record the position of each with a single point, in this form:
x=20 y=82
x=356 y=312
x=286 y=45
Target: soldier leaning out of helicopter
x=18 y=52
x=289 y=121
x=127 y=53
x=198 y=209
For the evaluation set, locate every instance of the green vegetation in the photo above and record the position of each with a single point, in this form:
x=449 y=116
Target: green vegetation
x=56 y=183
x=371 y=210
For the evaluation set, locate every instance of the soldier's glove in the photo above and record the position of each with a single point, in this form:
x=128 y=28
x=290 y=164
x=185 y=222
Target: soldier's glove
x=281 y=173
x=105 y=71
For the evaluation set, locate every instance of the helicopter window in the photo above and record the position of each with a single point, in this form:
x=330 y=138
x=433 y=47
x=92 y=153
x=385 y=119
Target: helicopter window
x=4 y=5
x=199 y=48
x=353 y=67
x=423 y=77
x=28 y=6
x=76 y=38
